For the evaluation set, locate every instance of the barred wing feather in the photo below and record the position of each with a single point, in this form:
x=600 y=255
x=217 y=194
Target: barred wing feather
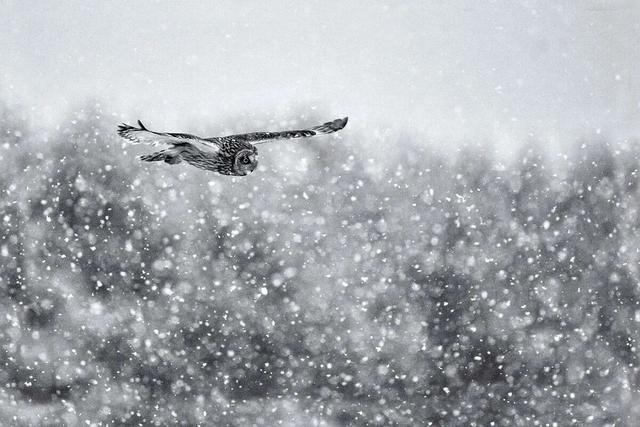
x=262 y=137
x=142 y=135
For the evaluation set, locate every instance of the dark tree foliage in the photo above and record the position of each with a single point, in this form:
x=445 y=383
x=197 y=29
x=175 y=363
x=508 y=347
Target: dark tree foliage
x=330 y=287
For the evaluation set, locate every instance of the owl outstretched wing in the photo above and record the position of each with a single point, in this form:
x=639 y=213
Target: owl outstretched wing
x=262 y=137
x=142 y=135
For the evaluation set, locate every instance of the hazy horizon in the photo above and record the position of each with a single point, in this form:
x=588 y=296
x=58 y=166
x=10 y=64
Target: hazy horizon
x=502 y=71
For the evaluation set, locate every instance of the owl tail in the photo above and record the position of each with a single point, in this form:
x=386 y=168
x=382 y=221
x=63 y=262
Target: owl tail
x=170 y=156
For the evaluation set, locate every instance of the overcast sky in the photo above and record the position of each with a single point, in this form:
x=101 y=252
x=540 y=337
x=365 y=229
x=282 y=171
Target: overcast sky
x=451 y=70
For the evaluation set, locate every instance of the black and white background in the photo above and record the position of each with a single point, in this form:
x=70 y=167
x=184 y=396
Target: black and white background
x=465 y=252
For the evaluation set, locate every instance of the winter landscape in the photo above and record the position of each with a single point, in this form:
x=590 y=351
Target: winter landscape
x=382 y=275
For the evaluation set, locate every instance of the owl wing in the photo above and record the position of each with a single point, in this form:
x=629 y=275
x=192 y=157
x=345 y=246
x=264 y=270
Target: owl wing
x=262 y=137
x=142 y=135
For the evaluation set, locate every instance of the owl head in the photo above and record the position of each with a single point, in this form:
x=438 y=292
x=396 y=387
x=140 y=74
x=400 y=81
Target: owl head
x=245 y=161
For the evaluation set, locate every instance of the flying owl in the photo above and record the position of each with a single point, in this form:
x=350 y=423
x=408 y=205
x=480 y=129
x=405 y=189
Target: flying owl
x=228 y=155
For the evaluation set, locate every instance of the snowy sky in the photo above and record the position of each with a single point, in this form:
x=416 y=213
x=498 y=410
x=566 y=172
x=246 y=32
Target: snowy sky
x=450 y=70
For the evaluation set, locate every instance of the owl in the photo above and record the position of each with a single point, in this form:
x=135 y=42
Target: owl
x=227 y=155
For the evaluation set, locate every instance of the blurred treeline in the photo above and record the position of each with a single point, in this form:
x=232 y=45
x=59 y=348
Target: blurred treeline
x=327 y=288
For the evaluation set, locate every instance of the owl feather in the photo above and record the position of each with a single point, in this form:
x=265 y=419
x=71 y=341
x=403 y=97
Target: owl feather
x=227 y=155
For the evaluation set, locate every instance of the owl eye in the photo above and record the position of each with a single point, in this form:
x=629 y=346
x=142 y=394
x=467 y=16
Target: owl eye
x=245 y=160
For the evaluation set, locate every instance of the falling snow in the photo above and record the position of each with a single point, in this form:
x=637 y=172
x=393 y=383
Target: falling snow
x=415 y=289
